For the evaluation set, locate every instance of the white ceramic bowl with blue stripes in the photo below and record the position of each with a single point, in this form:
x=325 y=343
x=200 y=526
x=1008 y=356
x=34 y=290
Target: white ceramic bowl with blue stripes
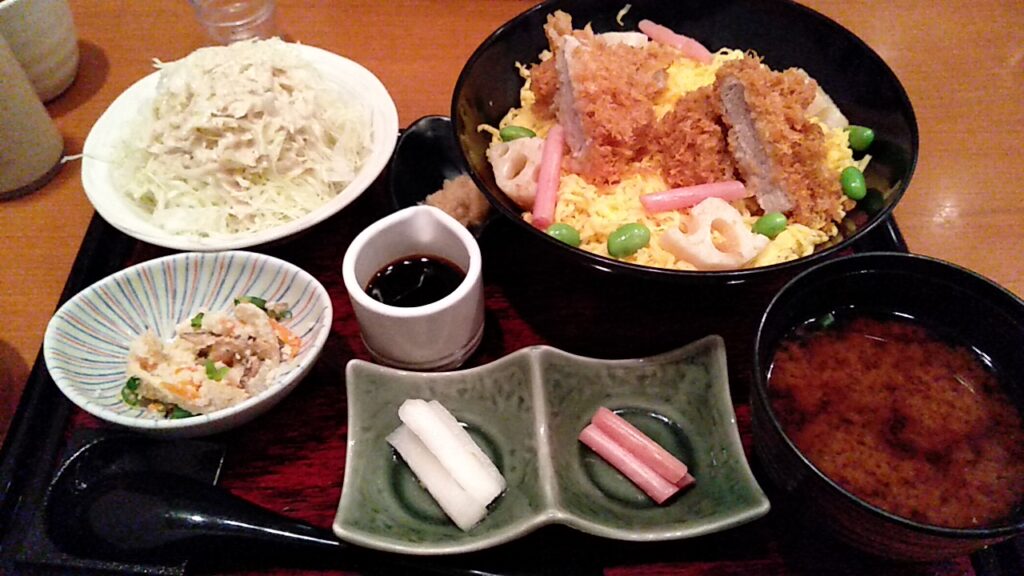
x=87 y=340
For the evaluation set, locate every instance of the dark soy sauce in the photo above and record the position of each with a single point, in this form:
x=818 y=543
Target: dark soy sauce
x=415 y=280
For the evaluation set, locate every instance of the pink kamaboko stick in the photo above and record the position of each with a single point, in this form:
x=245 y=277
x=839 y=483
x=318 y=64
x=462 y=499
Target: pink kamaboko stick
x=689 y=196
x=640 y=445
x=548 y=176
x=652 y=483
x=688 y=46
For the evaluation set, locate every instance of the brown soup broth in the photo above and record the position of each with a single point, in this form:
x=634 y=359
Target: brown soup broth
x=909 y=421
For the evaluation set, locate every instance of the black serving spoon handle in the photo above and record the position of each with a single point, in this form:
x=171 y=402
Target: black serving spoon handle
x=157 y=515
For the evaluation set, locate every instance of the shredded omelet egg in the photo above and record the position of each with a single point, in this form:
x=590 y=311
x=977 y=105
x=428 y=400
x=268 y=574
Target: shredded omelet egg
x=597 y=211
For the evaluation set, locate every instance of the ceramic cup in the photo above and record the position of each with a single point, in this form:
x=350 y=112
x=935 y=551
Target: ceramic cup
x=30 y=144
x=41 y=33
x=440 y=335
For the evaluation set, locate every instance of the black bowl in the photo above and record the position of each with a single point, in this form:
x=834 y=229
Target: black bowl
x=941 y=295
x=784 y=33
x=425 y=156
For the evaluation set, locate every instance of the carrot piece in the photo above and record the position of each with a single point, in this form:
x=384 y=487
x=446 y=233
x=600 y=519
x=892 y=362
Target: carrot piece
x=548 y=175
x=688 y=46
x=640 y=445
x=285 y=335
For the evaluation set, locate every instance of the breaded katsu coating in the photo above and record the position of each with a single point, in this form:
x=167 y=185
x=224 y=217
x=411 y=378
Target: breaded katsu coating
x=606 y=85
x=795 y=151
x=544 y=85
x=690 y=142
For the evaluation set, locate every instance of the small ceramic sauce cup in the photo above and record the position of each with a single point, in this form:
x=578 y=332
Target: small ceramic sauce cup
x=439 y=335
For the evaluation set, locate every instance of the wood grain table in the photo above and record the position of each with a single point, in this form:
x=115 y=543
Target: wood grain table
x=962 y=67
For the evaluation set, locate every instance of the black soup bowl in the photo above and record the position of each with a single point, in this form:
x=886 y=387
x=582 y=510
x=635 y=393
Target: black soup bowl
x=953 y=303
x=784 y=33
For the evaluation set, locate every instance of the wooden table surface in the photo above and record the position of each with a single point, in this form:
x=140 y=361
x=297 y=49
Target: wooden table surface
x=963 y=70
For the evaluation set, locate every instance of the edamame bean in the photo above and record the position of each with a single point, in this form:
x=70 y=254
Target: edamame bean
x=873 y=202
x=627 y=239
x=771 y=224
x=853 y=183
x=513 y=132
x=565 y=233
x=861 y=137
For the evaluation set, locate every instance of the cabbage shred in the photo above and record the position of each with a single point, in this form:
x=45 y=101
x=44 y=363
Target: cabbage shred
x=242 y=138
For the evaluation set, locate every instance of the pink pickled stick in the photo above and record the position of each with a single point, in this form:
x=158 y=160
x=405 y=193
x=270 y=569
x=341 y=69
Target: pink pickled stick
x=646 y=479
x=687 y=196
x=548 y=175
x=640 y=445
x=688 y=46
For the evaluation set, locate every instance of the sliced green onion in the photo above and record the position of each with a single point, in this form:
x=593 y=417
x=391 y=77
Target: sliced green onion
x=279 y=314
x=197 y=321
x=214 y=373
x=254 y=300
x=826 y=321
x=130 y=393
x=179 y=412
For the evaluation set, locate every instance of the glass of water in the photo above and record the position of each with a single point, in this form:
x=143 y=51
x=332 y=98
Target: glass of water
x=227 y=21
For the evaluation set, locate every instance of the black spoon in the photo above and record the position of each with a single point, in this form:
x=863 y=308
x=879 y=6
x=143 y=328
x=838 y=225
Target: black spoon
x=115 y=500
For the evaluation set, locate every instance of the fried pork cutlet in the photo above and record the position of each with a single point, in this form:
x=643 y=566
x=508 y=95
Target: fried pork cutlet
x=544 y=74
x=544 y=85
x=690 y=142
x=605 y=85
x=779 y=153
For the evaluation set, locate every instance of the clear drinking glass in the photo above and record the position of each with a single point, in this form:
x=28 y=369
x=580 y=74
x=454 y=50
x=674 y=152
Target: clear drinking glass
x=227 y=21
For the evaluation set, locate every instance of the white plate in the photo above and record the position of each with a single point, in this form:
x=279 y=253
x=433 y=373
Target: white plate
x=106 y=136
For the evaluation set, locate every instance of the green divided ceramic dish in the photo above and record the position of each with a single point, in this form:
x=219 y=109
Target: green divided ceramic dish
x=526 y=411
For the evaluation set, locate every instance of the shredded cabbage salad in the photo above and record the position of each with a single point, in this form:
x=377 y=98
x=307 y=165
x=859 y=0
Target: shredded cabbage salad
x=242 y=138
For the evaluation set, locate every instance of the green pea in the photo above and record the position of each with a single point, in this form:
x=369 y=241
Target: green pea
x=771 y=224
x=565 y=233
x=513 y=132
x=861 y=138
x=627 y=239
x=853 y=183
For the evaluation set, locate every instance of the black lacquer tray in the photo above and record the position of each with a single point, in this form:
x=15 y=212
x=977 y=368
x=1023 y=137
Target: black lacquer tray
x=291 y=460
